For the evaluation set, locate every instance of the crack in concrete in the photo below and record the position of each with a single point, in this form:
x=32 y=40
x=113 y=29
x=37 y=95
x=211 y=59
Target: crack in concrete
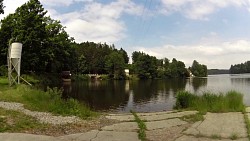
x=198 y=126
x=95 y=135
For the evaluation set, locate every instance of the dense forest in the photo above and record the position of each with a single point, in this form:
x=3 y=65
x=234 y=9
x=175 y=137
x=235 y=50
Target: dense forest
x=240 y=68
x=217 y=71
x=47 y=48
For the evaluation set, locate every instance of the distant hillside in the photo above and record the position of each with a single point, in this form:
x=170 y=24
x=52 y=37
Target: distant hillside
x=217 y=71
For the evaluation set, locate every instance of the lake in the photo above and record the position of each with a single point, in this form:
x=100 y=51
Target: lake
x=151 y=95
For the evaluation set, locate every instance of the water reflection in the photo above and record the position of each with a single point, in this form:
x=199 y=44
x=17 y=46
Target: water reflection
x=123 y=96
x=196 y=84
x=150 y=95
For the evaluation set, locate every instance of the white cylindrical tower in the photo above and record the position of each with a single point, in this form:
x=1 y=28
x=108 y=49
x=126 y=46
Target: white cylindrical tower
x=15 y=52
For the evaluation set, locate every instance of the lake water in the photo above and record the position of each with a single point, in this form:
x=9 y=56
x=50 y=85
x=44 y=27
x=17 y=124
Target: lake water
x=151 y=95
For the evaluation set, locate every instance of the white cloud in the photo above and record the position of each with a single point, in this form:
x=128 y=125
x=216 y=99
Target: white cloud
x=95 y=21
x=200 y=9
x=11 y=6
x=59 y=3
x=221 y=54
x=98 y=22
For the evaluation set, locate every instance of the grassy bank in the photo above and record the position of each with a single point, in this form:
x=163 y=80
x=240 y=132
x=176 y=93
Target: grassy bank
x=39 y=100
x=209 y=102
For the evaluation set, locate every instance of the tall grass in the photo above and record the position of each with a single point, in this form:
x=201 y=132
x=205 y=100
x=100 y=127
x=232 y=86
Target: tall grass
x=49 y=101
x=231 y=101
x=4 y=81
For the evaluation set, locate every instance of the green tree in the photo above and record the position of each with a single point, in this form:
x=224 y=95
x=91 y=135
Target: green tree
x=46 y=45
x=145 y=66
x=240 y=68
x=58 y=53
x=198 y=69
x=1 y=7
x=114 y=64
x=124 y=55
x=81 y=65
x=27 y=26
x=6 y=30
x=175 y=69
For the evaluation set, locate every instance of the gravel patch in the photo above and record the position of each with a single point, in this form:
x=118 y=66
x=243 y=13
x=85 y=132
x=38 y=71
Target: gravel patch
x=43 y=117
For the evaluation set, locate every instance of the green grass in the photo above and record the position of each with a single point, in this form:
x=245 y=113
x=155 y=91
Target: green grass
x=80 y=77
x=234 y=136
x=218 y=137
x=31 y=78
x=49 y=101
x=142 y=127
x=4 y=81
x=193 y=118
x=247 y=125
x=13 y=121
x=208 y=102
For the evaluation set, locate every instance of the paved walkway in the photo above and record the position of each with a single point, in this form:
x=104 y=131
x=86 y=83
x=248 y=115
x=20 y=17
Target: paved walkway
x=161 y=126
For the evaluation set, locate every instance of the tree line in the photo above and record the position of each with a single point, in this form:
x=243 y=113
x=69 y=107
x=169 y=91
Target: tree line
x=1 y=7
x=48 y=48
x=240 y=68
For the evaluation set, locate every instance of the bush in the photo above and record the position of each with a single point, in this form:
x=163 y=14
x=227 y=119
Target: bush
x=80 y=77
x=3 y=70
x=184 y=100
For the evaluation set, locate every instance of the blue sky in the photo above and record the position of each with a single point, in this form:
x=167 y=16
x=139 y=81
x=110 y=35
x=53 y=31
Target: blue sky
x=213 y=32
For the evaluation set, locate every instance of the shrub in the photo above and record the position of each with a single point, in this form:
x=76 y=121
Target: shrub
x=184 y=100
x=3 y=70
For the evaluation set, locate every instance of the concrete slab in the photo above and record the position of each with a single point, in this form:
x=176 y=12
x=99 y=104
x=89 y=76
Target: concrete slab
x=248 y=109
x=116 y=136
x=166 y=134
x=222 y=124
x=125 y=126
x=121 y=117
x=155 y=117
x=25 y=137
x=80 y=136
x=164 y=124
x=192 y=138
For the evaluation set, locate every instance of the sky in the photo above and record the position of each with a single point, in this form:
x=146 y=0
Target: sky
x=213 y=32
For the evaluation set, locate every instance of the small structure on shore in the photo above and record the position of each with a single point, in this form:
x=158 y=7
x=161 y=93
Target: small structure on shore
x=66 y=76
x=127 y=72
x=14 y=63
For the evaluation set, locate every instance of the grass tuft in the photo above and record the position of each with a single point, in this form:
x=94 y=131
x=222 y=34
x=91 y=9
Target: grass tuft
x=234 y=136
x=247 y=124
x=142 y=127
x=216 y=137
x=193 y=118
x=208 y=102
